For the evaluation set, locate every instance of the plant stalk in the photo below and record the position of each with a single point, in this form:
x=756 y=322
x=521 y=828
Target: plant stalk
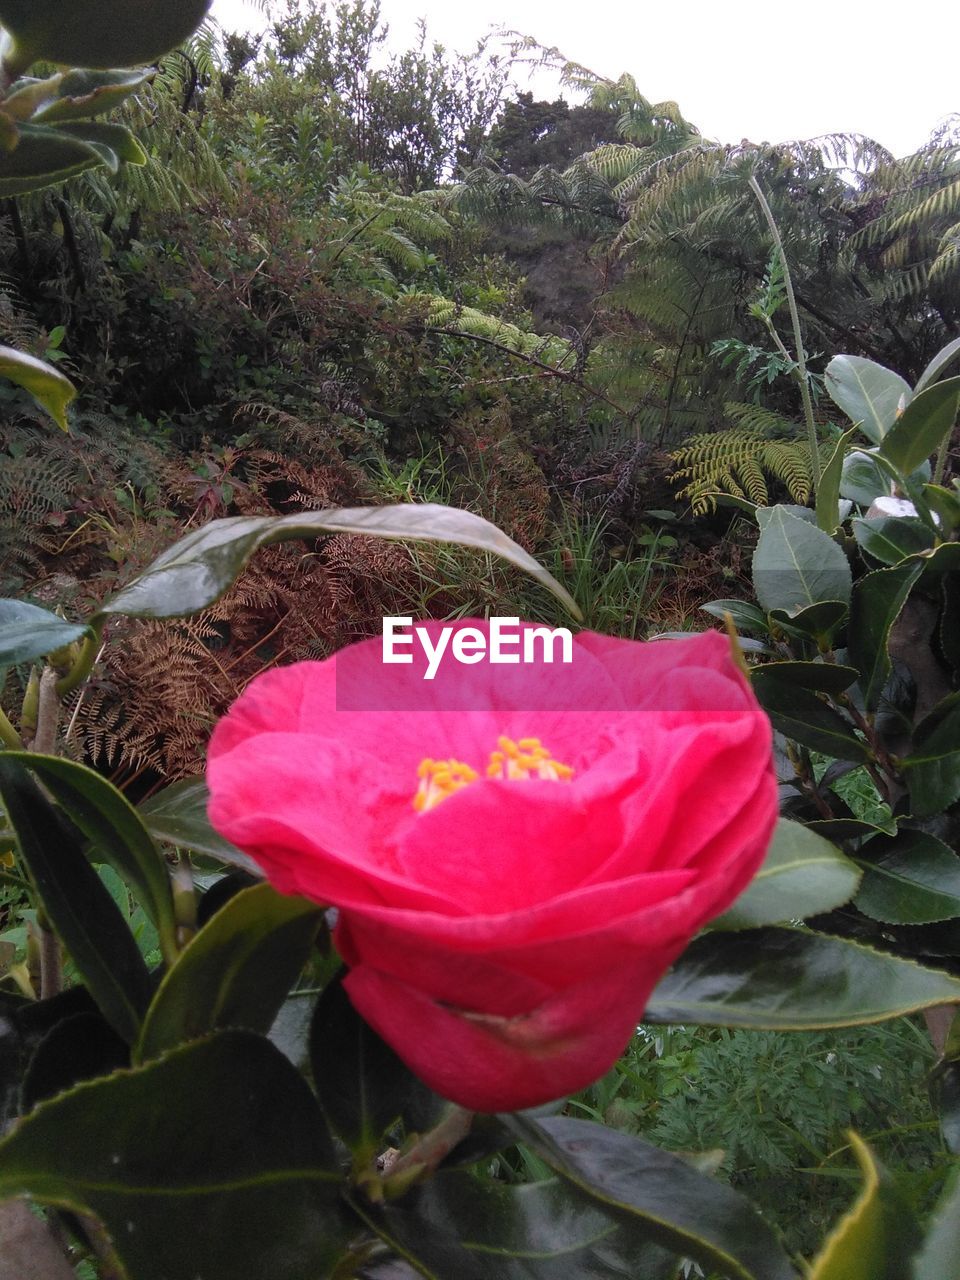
x=48 y=714
x=797 y=337
x=84 y=663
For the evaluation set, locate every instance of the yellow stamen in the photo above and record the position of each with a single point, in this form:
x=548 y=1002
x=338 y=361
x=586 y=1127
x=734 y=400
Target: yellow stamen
x=514 y=761
x=439 y=779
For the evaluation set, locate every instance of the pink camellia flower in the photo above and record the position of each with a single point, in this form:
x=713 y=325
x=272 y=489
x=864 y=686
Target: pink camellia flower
x=518 y=853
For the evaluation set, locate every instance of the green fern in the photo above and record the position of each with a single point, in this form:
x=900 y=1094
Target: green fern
x=443 y=313
x=739 y=460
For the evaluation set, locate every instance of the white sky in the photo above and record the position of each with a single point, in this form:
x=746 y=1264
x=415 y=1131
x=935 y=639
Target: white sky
x=767 y=70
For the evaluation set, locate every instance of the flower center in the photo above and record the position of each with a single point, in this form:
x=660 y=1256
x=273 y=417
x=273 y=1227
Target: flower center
x=513 y=761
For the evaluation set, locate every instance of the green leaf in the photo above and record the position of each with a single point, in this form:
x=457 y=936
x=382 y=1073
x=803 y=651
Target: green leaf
x=97 y=33
x=868 y=394
x=851 y=828
x=939 y=361
x=911 y=879
x=822 y=677
x=78 y=1048
x=82 y=94
x=115 y=831
x=28 y=632
x=932 y=769
x=79 y=908
x=862 y=479
x=828 y=493
x=891 y=539
x=198 y=569
x=478 y=1229
x=113 y=141
x=796 y=564
x=939 y=1258
x=780 y=979
x=27 y=97
x=945 y=504
x=878 y=1237
x=178 y=816
x=874 y=607
x=212 y=1162
x=45 y=383
x=799 y=714
x=668 y=1200
x=818 y=621
x=802 y=875
x=746 y=616
x=362 y=1085
x=236 y=972
x=922 y=426
x=42 y=157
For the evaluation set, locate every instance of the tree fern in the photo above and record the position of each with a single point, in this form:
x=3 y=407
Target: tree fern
x=739 y=460
x=445 y=314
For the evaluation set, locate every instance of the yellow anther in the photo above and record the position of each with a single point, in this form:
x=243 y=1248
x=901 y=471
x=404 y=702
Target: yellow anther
x=439 y=779
x=528 y=758
x=514 y=761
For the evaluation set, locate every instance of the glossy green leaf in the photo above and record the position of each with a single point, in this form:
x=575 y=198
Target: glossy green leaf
x=802 y=875
x=212 y=1162
x=828 y=492
x=461 y=1226
x=79 y=908
x=816 y=621
x=922 y=426
x=891 y=539
x=29 y=95
x=805 y=718
x=236 y=972
x=97 y=33
x=939 y=1257
x=932 y=769
x=362 y=1085
x=875 y=605
x=178 y=816
x=937 y=364
x=113 y=827
x=796 y=564
x=781 y=979
x=877 y=1239
x=841 y=829
x=913 y=878
x=112 y=141
x=671 y=1202
x=945 y=504
x=868 y=394
x=78 y=1048
x=82 y=94
x=822 y=677
x=862 y=479
x=198 y=569
x=46 y=384
x=940 y=562
x=44 y=156
x=28 y=632
x=746 y=616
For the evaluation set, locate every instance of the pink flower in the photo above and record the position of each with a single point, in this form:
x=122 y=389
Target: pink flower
x=512 y=877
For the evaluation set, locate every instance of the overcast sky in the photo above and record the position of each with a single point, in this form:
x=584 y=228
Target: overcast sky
x=737 y=69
